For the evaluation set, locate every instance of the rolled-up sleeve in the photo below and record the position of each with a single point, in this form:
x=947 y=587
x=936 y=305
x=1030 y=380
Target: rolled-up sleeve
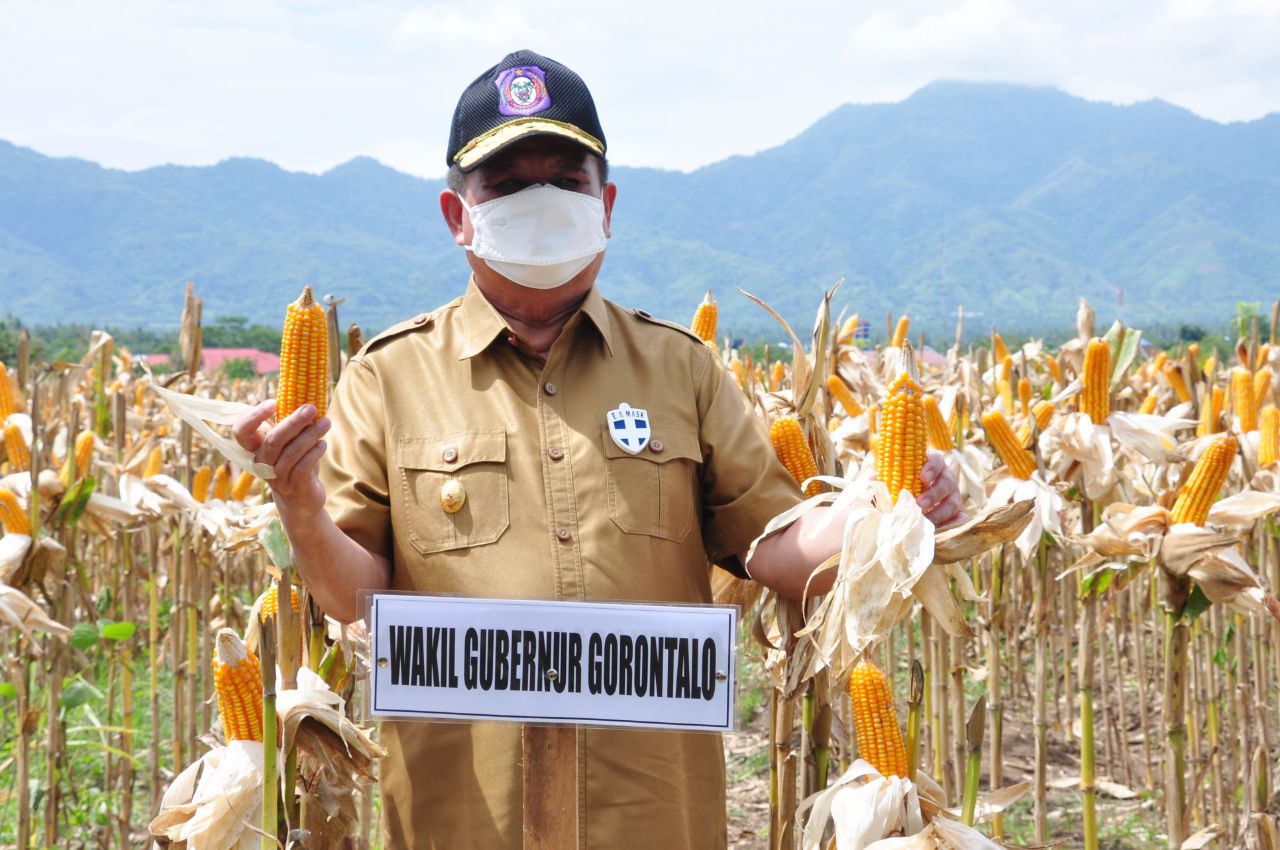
x=743 y=483
x=354 y=467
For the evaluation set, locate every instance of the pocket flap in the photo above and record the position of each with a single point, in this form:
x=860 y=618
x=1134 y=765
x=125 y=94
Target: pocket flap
x=453 y=451
x=663 y=446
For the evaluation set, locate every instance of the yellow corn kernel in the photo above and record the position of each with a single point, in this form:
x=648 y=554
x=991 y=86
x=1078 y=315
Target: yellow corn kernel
x=15 y=446
x=848 y=331
x=1210 y=367
x=1005 y=394
x=1149 y=403
x=1173 y=375
x=873 y=418
x=222 y=482
x=155 y=462
x=936 y=427
x=1207 y=478
x=237 y=679
x=1261 y=386
x=1024 y=396
x=13 y=517
x=1158 y=364
x=200 y=484
x=1194 y=350
x=704 y=318
x=1264 y=353
x=1269 y=444
x=879 y=736
x=998 y=348
x=1243 y=400
x=778 y=376
x=8 y=398
x=1002 y=439
x=1210 y=412
x=1054 y=369
x=839 y=391
x=244 y=483
x=270 y=601
x=1041 y=413
x=1006 y=369
x=793 y=450
x=304 y=357
x=1095 y=396
x=900 y=453
x=900 y=332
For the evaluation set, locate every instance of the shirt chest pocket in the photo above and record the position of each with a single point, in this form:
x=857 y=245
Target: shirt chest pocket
x=475 y=460
x=655 y=491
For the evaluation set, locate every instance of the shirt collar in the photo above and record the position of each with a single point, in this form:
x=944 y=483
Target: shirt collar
x=482 y=323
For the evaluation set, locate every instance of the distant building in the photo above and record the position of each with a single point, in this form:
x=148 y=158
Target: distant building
x=263 y=362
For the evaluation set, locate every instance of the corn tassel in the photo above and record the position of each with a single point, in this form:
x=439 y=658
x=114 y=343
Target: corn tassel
x=879 y=736
x=900 y=453
x=793 y=450
x=938 y=432
x=15 y=446
x=200 y=484
x=1243 y=400
x=1269 y=445
x=1207 y=478
x=704 y=319
x=237 y=680
x=222 y=482
x=839 y=390
x=13 y=518
x=1002 y=439
x=1095 y=397
x=1173 y=375
x=304 y=357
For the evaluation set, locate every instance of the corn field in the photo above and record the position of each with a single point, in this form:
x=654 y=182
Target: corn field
x=1100 y=628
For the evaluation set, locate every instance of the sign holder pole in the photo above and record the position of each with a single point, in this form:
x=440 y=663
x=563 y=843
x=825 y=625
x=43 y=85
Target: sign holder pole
x=550 y=759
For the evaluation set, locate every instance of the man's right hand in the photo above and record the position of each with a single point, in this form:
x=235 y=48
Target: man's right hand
x=293 y=448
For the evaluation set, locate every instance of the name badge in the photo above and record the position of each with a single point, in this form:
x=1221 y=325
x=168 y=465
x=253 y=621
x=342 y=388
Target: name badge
x=590 y=663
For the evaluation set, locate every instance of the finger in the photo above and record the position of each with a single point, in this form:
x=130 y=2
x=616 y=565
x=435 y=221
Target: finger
x=245 y=430
x=933 y=467
x=299 y=446
x=945 y=510
x=306 y=466
x=279 y=437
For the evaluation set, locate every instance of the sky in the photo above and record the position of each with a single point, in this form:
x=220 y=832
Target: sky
x=678 y=83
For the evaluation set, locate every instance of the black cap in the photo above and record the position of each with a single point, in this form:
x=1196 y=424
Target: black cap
x=523 y=95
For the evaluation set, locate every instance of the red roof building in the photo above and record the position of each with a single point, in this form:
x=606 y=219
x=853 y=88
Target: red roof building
x=211 y=358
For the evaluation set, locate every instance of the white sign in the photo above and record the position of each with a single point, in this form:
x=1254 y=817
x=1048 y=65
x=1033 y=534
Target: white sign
x=590 y=663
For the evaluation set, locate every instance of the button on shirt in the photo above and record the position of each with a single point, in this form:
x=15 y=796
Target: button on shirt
x=554 y=509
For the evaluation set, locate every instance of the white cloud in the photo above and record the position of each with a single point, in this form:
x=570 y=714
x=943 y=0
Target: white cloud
x=678 y=84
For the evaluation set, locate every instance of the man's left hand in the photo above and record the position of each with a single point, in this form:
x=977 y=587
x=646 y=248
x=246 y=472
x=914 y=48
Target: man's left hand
x=940 y=500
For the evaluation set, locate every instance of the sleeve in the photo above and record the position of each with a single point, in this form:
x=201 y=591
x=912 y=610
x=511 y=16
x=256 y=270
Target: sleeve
x=354 y=468
x=743 y=483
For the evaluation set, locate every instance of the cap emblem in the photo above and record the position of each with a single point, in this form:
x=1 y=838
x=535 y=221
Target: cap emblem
x=522 y=91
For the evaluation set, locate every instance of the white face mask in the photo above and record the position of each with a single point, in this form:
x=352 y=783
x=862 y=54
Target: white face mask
x=539 y=237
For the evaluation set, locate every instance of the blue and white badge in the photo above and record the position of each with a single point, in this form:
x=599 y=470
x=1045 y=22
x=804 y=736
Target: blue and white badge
x=629 y=427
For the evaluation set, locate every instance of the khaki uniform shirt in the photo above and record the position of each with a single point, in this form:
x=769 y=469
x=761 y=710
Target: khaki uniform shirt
x=554 y=510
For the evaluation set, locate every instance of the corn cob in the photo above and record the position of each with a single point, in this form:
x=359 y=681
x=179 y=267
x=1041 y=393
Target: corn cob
x=1149 y=403
x=900 y=332
x=1006 y=369
x=1269 y=445
x=1261 y=386
x=900 y=453
x=1207 y=478
x=155 y=462
x=779 y=374
x=83 y=455
x=1005 y=394
x=8 y=399
x=1264 y=353
x=304 y=357
x=1210 y=412
x=200 y=484
x=1173 y=375
x=270 y=601
x=1095 y=396
x=1041 y=413
x=793 y=450
x=839 y=391
x=879 y=736
x=1002 y=439
x=237 y=678
x=998 y=348
x=1054 y=369
x=1158 y=364
x=1210 y=367
x=938 y=432
x=1024 y=396
x=847 y=331
x=1243 y=401
x=13 y=518
x=222 y=482
x=704 y=319
x=15 y=445
x=873 y=419
x=244 y=483
x=1194 y=350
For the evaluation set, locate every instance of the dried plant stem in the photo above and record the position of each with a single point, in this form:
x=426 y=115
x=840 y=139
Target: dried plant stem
x=1040 y=623
x=1175 y=697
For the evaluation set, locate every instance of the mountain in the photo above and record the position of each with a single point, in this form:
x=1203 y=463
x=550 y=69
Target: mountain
x=1009 y=200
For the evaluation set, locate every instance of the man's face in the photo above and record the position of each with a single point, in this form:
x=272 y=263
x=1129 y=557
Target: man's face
x=538 y=159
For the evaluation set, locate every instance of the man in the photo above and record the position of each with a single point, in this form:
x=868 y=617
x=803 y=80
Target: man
x=504 y=399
